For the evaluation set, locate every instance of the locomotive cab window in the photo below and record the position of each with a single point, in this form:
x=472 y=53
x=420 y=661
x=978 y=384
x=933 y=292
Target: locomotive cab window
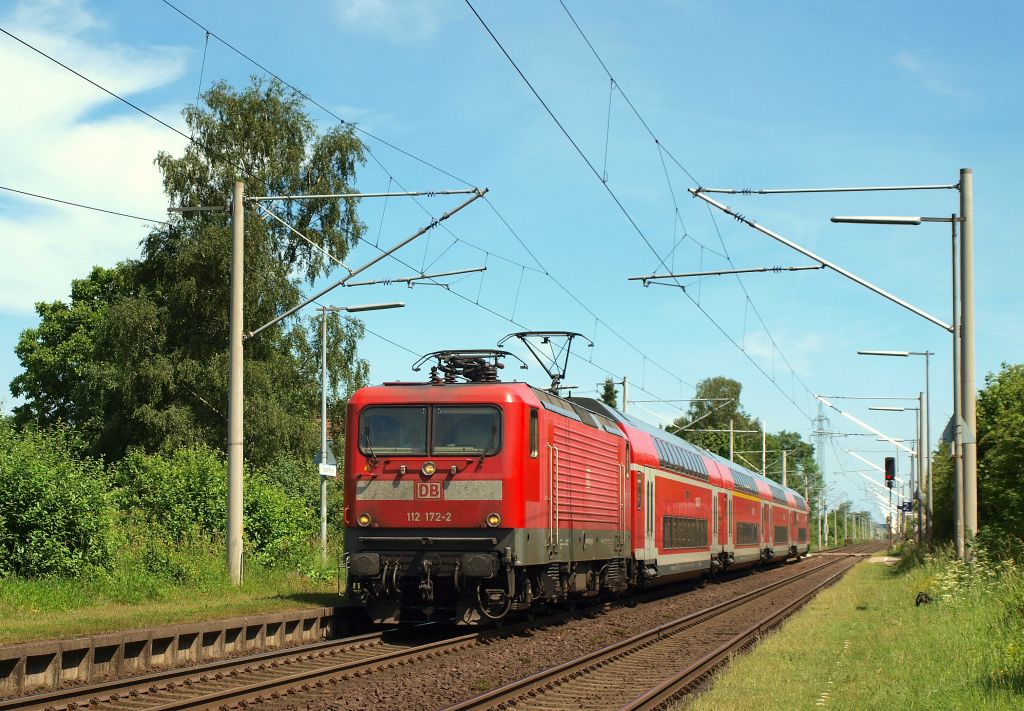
x=396 y=431
x=466 y=429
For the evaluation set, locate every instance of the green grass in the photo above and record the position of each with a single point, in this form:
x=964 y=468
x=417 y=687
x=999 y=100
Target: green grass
x=863 y=644
x=132 y=594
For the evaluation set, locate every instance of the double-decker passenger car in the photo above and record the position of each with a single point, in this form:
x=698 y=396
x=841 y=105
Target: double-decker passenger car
x=468 y=500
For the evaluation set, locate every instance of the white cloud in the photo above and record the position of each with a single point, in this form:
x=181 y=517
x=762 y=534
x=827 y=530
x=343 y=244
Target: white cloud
x=67 y=139
x=928 y=73
x=397 y=20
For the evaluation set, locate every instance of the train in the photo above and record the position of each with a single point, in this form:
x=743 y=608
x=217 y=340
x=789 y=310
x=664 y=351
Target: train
x=468 y=499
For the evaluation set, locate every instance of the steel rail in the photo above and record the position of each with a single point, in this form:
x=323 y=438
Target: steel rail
x=679 y=683
x=181 y=688
x=260 y=678
x=145 y=681
x=263 y=690
x=523 y=687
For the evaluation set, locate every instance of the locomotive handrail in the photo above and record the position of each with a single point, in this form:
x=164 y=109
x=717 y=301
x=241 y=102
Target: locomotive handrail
x=551 y=496
x=555 y=508
x=622 y=503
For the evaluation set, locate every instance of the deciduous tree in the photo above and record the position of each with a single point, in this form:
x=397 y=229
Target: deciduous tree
x=138 y=355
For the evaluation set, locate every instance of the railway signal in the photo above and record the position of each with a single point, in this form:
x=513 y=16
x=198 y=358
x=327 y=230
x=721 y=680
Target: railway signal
x=890 y=471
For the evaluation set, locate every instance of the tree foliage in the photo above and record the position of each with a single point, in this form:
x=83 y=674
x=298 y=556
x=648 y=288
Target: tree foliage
x=717 y=408
x=609 y=395
x=1000 y=461
x=138 y=355
x=1001 y=450
x=55 y=516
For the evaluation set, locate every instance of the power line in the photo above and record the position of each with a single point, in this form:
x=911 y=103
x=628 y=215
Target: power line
x=305 y=96
x=216 y=154
x=662 y=151
x=619 y=203
x=85 y=207
x=427 y=163
x=623 y=93
x=220 y=156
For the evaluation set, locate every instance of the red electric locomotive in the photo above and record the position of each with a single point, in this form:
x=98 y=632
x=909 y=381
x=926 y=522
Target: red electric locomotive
x=467 y=498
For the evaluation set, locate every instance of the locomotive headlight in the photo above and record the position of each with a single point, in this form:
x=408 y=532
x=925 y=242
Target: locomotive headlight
x=428 y=468
x=493 y=520
x=363 y=519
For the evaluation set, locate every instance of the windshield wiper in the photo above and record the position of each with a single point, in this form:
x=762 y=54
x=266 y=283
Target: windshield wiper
x=369 y=447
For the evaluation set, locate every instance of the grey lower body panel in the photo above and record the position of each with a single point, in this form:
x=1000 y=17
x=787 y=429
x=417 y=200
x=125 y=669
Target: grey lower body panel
x=526 y=546
x=682 y=570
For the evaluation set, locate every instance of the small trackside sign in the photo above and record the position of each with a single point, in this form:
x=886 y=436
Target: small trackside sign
x=429 y=490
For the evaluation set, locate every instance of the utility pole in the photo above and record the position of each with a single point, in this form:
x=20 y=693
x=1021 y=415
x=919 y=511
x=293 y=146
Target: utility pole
x=625 y=393
x=922 y=467
x=323 y=432
x=784 y=453
x=764 y=449
x=926 y=426
x=824 y=509
x=890 y=519
x=957 y=443
x=732 y=442
x=970 y=446
x=235 y=392
x=326 y=468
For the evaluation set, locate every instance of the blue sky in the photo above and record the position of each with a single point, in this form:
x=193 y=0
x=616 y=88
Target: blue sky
x=786 y=94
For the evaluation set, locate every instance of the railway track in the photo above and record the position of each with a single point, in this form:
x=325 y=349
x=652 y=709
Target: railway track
x=633 y=673
x=283 y=674
x=268 y=676
x=188 y=688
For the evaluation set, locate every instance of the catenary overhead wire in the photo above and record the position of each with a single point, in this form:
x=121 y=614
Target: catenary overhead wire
x=427 y=163
x=663 y=151
x=85 y=207
x=310 y=99
x=618 y=202
x=221 y=157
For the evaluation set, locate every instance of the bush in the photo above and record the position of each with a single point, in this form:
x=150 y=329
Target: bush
x=184 y=493
x=278 y=527
x=299 y=479
x=55 y=513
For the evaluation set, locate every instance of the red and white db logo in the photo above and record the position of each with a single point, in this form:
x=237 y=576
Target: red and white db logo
x=428 y=490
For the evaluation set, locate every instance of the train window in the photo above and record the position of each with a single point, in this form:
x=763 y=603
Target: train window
x=684 y=532
x=639 y=491
x=534 y=434
x=746 y=533
x=672 y=455
x=466 y=429
x=393 y=431
x=701 y=467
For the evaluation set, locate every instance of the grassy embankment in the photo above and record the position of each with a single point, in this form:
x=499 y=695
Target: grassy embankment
x=130 y=597
x=863 y=644
x=87 y=546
